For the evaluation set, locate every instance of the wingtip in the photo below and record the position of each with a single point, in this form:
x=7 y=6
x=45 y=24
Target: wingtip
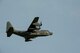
x=37 y=17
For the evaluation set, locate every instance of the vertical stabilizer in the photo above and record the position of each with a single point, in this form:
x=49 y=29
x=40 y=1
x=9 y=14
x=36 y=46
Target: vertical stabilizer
x=9 y=29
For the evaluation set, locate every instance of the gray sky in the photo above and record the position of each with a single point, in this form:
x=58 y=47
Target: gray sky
x=59 y=16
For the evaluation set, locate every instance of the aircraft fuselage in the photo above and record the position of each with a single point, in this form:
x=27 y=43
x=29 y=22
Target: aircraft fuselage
x=32 y=34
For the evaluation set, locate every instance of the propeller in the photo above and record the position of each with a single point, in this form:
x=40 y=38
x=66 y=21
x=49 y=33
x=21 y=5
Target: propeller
x=40 y=23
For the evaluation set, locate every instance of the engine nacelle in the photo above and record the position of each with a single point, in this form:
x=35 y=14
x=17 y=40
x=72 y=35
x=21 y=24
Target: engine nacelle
x=38 y=27
x=38 y=24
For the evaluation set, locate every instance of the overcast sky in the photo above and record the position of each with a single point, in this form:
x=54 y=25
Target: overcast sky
x=62 y=17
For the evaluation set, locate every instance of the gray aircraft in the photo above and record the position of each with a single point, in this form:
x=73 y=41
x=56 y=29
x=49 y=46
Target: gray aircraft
x=32 y=32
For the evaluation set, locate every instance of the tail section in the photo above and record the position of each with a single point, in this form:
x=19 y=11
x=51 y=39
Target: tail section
x=9 y=29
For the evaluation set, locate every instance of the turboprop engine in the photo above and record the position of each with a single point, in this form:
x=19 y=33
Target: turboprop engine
x=37 y=24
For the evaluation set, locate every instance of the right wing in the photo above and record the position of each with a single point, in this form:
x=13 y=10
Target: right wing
x=33 y=27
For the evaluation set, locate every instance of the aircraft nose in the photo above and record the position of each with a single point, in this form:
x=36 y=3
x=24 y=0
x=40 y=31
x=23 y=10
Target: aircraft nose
x=51 y=33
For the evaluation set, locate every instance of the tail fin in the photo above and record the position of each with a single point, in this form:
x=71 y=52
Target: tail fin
x=9 y=29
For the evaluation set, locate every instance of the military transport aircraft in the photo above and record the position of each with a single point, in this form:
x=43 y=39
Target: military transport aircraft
x=32 y=32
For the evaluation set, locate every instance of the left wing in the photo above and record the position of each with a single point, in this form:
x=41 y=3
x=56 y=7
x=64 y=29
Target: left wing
x=33 y=27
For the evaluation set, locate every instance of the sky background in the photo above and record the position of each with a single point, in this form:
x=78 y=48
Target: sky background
x=62 y=17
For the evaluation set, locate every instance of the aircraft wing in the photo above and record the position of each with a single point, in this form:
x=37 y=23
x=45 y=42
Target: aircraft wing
x=33 y=27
